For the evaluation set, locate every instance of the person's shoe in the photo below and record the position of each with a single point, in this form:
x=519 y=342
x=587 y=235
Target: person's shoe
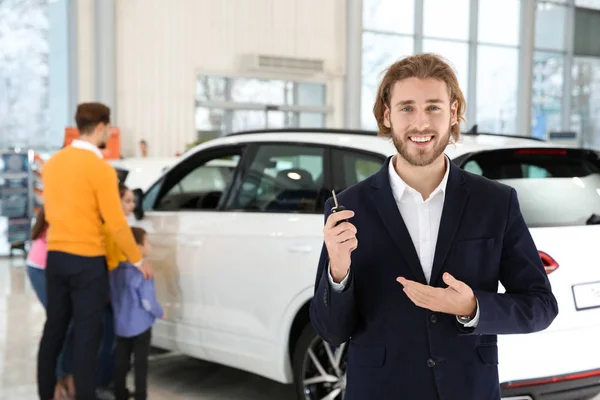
x=105 y=394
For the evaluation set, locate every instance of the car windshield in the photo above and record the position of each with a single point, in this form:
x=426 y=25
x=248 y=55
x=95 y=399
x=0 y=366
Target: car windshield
x=556 y=187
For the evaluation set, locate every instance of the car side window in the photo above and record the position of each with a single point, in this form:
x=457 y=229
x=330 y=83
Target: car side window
x=352 y=167
x=473 y=167
x=198 y=183
x=150 y=196
x=282 y=178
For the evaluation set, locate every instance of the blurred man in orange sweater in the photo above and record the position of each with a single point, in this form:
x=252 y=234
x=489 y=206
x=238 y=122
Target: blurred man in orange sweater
x=80 y=198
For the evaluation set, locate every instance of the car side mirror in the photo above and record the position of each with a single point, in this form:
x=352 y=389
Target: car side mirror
x=138 y=211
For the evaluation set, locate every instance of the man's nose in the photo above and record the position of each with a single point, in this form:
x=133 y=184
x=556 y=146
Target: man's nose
x=421 y=121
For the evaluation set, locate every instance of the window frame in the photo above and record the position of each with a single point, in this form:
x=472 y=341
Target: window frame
x=186 y=166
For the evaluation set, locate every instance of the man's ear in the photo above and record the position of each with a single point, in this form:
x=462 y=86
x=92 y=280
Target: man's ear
x=386 y=117
x=454 y=112
x=99 y=128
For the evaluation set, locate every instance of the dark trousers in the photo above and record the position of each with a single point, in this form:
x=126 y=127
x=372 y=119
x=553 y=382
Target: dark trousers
x=64 y=368
x=139 y=346
x=77 y=288
x=106 y=357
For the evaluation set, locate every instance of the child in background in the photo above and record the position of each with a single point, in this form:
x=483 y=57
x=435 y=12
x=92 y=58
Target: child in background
x=106 y=353
x=135 y=310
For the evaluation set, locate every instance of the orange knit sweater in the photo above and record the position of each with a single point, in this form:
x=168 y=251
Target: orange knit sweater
x=80 y=193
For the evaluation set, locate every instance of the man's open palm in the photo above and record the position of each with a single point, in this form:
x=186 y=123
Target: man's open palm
x=456 y=299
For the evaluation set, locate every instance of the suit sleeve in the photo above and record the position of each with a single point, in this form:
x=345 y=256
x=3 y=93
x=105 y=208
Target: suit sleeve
x=528 y=304
x=332 y=312
x=106 y=185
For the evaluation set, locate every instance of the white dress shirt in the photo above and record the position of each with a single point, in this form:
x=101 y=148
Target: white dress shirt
x=82 y=144
x=422 y=219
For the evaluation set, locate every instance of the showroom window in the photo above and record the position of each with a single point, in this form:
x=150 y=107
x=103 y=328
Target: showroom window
x=25 y=58
x=232 y=104
x=387 y=37
x=393 y=29
x=497 y=66
x=548 y=69
x=449 y=40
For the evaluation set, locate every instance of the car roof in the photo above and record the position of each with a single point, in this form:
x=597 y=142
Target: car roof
x=369 y=141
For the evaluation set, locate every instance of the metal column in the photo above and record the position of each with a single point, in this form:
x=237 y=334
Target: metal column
x=353 y=64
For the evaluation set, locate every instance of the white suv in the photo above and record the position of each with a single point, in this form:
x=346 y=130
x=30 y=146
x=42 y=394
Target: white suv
x=236 y=227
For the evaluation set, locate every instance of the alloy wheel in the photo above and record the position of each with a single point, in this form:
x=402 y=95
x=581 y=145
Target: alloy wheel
x=324 y=371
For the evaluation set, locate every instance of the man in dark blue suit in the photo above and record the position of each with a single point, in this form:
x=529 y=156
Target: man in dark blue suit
x=409 y=273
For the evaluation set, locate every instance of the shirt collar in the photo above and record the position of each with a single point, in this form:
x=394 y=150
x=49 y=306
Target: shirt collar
x=82 y=144
x=399 y=187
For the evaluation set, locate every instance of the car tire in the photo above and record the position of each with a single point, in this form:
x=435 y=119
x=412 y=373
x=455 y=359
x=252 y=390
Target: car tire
x=302 y=363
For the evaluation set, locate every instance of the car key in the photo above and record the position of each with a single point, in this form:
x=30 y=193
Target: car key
x=337 y=207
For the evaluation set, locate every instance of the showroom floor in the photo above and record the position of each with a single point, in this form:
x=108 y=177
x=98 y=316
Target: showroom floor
x=172 y=377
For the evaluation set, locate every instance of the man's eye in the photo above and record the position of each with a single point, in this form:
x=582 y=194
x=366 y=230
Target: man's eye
x=434 y=108
x=406 y=109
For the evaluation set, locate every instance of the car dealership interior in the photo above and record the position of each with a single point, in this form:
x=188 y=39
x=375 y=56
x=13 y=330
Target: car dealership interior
x=253 y=144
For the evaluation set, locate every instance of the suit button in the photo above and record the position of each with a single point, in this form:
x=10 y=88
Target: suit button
x=325 y=298
x=433 y=319
x=430 y=363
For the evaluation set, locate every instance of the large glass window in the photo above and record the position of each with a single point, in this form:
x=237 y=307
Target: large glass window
x=550 y=26
x=457 y=53
x=588 y=3
x=499 y=22
x=396 y=16
x=379 y=52
x=438 y=13
x=497 y=80
x=228 y=104
x=585 y=102
x=24 y=74
x=547 y=93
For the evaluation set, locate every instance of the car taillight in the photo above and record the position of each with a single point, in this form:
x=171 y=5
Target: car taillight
x=550 y=264
x=542 y=152
x=553 y=379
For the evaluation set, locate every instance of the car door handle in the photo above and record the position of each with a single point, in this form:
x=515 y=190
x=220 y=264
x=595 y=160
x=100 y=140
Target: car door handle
x=300 y=249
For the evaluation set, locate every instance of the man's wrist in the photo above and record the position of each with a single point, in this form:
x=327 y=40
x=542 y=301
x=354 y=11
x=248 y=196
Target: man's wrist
x=338 y=278
x=473 y=313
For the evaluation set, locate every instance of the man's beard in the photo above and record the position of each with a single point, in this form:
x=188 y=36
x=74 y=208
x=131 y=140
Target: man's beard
x=423 y=157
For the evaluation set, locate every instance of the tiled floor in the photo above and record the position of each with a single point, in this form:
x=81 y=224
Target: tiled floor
x=172 y=377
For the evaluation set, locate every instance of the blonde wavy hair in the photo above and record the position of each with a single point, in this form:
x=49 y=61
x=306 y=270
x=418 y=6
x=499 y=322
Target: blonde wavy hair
x=422 y=66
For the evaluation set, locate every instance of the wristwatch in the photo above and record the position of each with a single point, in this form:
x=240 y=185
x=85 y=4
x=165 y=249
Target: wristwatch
x=465 y=320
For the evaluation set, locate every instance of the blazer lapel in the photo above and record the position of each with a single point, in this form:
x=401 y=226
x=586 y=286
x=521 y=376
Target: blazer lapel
x=454 y=204
x=385 y=204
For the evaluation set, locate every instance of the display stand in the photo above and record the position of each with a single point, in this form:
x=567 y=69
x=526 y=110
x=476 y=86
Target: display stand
x=17 y=197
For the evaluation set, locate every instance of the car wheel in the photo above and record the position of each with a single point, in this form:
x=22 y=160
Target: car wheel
x=319 y=368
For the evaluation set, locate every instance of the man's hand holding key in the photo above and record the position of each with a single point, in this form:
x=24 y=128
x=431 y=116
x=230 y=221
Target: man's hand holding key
x=340 y=241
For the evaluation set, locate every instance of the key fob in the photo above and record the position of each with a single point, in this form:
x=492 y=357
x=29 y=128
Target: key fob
x=338 y=209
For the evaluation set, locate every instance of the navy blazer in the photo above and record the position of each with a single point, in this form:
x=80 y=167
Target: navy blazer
x=397 y=350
